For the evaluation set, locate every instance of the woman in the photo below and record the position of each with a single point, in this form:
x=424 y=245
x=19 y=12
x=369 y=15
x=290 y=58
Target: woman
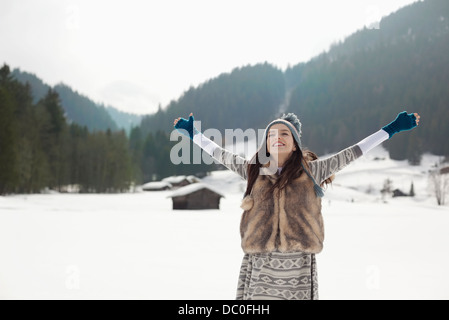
x=282 y=227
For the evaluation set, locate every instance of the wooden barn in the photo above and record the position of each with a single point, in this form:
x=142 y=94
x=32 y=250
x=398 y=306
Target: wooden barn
x=399 y=193
x=444 y=170
x=197 y=196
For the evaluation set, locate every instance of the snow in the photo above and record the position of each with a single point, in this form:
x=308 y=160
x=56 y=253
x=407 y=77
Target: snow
x=156 y=185
x=134 y=246
x=179 y=179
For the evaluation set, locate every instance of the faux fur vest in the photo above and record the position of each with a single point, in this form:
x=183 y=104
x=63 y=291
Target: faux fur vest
x=286 y=221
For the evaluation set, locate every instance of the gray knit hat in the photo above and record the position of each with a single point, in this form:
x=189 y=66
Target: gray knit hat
x=293 y=123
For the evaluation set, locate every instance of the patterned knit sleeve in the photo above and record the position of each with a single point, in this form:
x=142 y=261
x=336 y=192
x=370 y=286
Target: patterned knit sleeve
x=322 y=169
x=230 y=160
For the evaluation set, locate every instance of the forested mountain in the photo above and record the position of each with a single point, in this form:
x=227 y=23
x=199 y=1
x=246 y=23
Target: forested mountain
x=245 y=98
x=124 y=120
x=360 y=84
x=79 y=108
x=344 y=94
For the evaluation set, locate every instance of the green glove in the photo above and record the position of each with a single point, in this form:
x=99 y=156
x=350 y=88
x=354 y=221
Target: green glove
x=402 y=122
x=186 y=127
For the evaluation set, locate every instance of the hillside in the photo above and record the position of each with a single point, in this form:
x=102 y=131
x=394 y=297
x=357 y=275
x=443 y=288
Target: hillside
x=245 y=98
x=344 y=94
x=79 y=108
x=360 y=84
x=124 y=120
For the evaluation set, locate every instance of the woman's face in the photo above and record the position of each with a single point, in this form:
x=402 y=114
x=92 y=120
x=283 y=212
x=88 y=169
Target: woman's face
x=280 y=140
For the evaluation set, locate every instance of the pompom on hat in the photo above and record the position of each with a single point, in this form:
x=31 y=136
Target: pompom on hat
x=293 y=123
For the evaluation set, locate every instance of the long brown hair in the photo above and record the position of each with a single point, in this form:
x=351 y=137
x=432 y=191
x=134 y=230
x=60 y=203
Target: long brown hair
x=291 y=170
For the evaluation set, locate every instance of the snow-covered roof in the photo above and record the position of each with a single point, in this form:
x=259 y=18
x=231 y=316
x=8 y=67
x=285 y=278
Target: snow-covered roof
x=191 y=188
x=178 y=179
x=156 y=185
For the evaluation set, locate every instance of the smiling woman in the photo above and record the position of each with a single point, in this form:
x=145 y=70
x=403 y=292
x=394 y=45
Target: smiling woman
x=282 y=228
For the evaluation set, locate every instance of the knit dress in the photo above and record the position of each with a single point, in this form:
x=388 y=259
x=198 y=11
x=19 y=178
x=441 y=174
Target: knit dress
x=277 y=275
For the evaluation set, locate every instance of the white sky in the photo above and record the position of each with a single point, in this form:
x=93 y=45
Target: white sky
x=135 y=55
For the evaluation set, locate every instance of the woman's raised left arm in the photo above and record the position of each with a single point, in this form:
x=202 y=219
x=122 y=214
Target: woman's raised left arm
x=322 y=169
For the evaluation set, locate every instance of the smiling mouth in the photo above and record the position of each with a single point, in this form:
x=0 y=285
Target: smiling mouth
x=278 y=144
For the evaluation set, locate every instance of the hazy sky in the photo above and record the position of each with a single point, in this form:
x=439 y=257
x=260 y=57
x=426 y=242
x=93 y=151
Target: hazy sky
x=135 y=55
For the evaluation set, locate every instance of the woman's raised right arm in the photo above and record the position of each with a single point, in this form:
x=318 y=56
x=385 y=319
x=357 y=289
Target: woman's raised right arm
x=230 y=160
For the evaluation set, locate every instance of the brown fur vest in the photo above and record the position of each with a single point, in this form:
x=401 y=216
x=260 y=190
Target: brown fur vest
x=286 y=221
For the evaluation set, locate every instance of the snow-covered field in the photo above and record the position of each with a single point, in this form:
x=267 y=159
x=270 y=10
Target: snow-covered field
x=134 y=246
